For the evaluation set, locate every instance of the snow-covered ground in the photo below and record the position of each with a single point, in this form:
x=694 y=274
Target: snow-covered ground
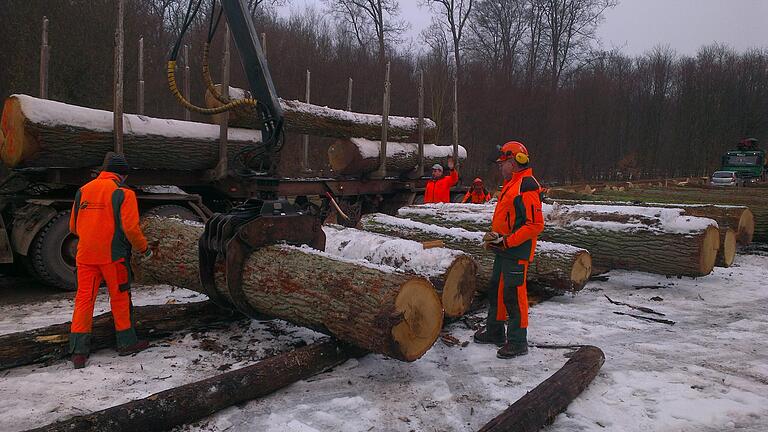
x=708 y=372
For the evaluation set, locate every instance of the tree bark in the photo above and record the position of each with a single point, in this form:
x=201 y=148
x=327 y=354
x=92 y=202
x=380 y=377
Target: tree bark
x=395 y=314
x=452 y=272
x=747 y=196
x=359 y=156
x=539 y=407
x=152 y=322
x=197 y=400
x=309 y=119
x=44 y=133
x=739 y=218
x=661 y=241
x=562 y=268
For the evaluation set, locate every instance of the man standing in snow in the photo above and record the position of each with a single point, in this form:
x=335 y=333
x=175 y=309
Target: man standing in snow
x=477 y=194
x=517 y=221
x=438 y=189
x=105 y=218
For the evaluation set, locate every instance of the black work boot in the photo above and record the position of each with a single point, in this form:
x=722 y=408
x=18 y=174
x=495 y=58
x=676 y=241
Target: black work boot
x=133 y=349
x=78 y=360
x=482 y=336
x=511 y=350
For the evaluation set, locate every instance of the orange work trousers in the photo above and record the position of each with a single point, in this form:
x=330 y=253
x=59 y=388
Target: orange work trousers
x=89 y=278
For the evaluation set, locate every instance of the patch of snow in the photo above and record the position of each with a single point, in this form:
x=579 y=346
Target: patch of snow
x=163 y=189
x=372 y=149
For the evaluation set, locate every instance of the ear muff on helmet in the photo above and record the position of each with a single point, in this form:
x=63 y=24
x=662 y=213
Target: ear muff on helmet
x=521 y=158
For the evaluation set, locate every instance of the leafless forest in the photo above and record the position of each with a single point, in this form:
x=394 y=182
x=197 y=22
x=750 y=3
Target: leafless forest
x=527 y=69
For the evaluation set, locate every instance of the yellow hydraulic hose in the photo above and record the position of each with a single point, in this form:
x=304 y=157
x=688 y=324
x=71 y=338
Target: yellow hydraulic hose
x=171 y=72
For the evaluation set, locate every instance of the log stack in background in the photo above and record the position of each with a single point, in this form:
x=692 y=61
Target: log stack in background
x=395 y=314
x=452 y=272
x=361 y=156
x=561 y=268
x=653 y=240
x=45 y=133
x=309 y=119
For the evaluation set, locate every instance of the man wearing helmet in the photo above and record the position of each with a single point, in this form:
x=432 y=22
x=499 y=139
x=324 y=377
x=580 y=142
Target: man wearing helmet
x=477 y=194
x=438 y=189
x=517 y=221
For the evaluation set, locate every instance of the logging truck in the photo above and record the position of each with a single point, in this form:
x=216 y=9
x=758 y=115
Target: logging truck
x=194 y=170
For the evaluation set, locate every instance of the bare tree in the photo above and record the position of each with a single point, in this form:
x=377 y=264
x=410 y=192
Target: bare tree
x=570 y=28
x=496 y=29
x=371 y=19
x=454 y=14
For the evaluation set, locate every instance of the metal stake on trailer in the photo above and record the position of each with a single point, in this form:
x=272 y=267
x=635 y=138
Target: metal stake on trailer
x=118 y=83
x=382 y=171
x=44 y=56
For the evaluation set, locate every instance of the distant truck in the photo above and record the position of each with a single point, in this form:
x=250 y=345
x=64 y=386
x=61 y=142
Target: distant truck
x=748 y=161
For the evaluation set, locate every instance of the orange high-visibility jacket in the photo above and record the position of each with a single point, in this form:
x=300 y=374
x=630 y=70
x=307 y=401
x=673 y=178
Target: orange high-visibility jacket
x=477 y=197
x=518 y=215
x=439 y=191
x=105 y=217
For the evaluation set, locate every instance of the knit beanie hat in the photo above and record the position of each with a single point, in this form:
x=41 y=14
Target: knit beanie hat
x=116 y=163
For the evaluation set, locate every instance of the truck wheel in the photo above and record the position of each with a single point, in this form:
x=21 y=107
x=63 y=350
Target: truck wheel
x=52 y=254
x=175 y=211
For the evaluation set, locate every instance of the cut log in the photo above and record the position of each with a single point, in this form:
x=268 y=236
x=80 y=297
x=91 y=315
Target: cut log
x=747 y=196
x=727 y=252
x=452 y=272
x=654 y=240
x=152 y=322
x=197 y=400
x=739 y=218
x=560 y=267
x=540 y=406
x=44 y=133
x=309 y=119
x=359 y=156
x=391 y=313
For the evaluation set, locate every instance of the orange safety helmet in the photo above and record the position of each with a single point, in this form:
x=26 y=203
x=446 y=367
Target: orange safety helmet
x=514 y=150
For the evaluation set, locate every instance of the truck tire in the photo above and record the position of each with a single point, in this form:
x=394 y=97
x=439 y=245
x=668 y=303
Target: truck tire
x=173 y=210
x=52 y=254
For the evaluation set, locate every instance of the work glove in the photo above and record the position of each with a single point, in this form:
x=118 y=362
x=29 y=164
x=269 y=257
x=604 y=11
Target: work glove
x=494 y=241
x=450 y=163
x=146 y=255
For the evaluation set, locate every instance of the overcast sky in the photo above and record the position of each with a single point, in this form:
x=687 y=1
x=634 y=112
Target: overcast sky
x=636 y=26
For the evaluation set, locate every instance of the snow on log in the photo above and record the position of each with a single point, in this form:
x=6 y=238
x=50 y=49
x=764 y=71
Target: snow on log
x=452 y=272
x=45 y=133
x=739 y=218
x=748 y=196
x=191 y=402
x=152 y=322
x=375 y=308
x=650 y=239
x=539 y=407
x=359 y=155
x=309 y=119
x=557 y=266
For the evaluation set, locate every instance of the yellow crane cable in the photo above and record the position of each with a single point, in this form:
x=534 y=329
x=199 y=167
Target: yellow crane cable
x=207 y=77
x=237 y=103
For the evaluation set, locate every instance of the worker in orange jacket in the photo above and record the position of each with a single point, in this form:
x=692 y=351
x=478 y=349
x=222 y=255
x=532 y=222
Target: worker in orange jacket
x=105 y=218
x=438 y=189
x=477 y=194
x=517 y=222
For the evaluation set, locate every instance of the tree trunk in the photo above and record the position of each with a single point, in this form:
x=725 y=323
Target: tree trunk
x=451 y=272
x=197 y=400
x=560 y=267
x=44 y=133
x=739 y=218
x=727 y=251
x=359 y=156
x=653 y=240
x=395 y=314
x=539 y=407
x=152 y=322
x=746 y=196
x=308 y=119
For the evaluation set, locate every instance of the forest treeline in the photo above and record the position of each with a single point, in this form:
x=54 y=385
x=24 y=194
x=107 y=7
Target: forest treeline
x=530 y=70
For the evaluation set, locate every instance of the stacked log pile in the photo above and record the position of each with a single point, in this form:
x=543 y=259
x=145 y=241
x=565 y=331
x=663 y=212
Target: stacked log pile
x=452 y=272
x=391 y=313
x=742 y=197
x=560 y=267
x=654 y=240
x=359 y=155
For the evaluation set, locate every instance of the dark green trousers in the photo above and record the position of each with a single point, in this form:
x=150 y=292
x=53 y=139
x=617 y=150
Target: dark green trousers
x=512 y=273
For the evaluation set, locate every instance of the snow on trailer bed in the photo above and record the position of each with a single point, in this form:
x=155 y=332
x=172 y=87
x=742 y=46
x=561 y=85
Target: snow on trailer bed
x=708 y=372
